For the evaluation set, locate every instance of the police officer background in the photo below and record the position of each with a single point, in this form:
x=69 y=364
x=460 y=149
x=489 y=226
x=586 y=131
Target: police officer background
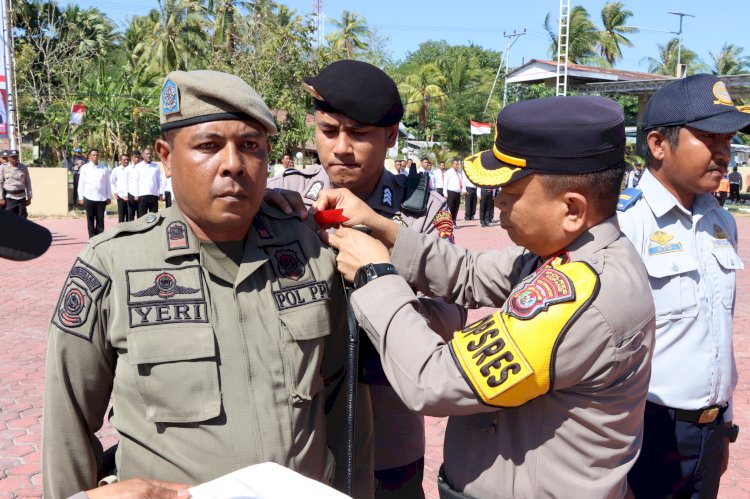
x=357 y=111
x=15 y=184
x=213 y=325
x=545 y=397
x=689 y=245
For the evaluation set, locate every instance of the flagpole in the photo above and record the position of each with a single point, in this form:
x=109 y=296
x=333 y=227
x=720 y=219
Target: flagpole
x=472 y=141
x=10 y=80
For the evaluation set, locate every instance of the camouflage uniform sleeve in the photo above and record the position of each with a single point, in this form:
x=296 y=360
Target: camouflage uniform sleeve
x=79 y=376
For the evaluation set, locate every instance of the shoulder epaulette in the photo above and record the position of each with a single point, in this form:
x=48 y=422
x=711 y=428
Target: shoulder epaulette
x=628 y=197
x=273 y=212
x=146 y=222
x=307 y=172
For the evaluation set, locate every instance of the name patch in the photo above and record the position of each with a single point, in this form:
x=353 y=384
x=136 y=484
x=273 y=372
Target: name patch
x=302 y=295
x=75 y=312
x=166 y=296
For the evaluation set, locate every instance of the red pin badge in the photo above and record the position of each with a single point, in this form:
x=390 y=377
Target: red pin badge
x=330 y=217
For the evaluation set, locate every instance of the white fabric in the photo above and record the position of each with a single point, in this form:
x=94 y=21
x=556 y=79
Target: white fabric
x=264 y=481
x=692 y=277
x=119 y=180
x=133 y=180
x=439 y=179
x=93 y=183
x=452 y=181
x=149 y=179
x=166 y=183
x=467 y=182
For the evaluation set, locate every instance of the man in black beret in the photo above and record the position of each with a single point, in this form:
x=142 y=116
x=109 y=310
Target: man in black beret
x=357 y=112
x=545 y=396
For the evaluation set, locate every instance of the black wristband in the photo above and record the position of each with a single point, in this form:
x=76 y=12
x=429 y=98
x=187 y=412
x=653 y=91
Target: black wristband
x=371 y=271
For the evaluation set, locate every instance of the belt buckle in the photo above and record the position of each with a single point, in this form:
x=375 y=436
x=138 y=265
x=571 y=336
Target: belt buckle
x=708 y=415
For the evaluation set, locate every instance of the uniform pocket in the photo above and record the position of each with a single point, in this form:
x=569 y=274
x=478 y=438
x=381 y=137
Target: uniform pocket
x=304 y=331
x=673 y=280
x=178 y=376
x=729 y=263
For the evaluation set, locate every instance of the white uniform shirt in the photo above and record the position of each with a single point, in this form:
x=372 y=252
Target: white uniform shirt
x=166 y=183
x=119 y=180
x=149 y=179
x=467 y=182
x=452 y=182
x=439 y=176
x=691 y=259
x=93 y=183
x=133 y=180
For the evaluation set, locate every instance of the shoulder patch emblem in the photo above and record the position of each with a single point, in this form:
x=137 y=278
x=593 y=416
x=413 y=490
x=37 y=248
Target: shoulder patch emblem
x=314 y=191
x=443 y=222
x=82 y=289
x=660 y=243
x=170 y=98
x=387 y=196
x=165 y=296
x=261 y=229
x=289 y=264
x=627 y=198
x=177 y=236
x=548 y=287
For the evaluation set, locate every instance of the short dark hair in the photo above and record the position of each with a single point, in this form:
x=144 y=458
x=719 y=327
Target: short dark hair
x=672 y=133
x=601 y=188
x=424 y=158
x=92 y=150
x=135 y=152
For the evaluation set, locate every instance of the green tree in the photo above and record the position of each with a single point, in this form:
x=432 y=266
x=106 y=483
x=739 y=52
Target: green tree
x=612 y=36
x=666 y=63
x=226 y=16
x=351 y=34
x=730 y=61
x=583 y=37
x=423 y=89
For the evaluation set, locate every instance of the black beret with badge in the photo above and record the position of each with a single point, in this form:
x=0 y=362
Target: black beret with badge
x=554 y=135
x=192 y=97
x=700 y=101
x=358 y=90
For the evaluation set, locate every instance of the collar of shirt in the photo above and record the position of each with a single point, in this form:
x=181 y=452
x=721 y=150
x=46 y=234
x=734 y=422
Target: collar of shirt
x=661 y=201
x=593 y=240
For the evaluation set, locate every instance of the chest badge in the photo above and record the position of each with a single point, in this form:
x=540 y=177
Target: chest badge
x=290 y=266
x=165 y=287
x=661 y=242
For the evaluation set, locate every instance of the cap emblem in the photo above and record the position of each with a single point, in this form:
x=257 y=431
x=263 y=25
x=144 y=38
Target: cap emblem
x=311 y=90
x=170 y=98
x=722 y=94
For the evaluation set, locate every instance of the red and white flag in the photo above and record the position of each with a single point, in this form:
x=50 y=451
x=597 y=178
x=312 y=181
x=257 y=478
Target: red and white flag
x=480 y=128
x=76 y=114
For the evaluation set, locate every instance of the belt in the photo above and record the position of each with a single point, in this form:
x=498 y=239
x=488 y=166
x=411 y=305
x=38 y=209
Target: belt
x=15 y=193
x=700 y=416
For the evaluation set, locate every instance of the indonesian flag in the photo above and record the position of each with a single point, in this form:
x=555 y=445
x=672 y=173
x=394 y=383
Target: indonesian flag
x=480 y=128
x=76 y=114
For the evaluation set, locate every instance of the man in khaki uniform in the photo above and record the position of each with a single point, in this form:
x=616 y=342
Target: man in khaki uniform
x=357 y=111
x=15 y=185
x=546 y=395
x=213 y=324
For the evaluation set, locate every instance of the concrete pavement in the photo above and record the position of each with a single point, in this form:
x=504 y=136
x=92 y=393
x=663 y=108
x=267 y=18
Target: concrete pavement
x=30 y=290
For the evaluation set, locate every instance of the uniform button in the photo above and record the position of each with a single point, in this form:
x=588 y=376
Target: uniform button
x=675 y=267
x=150 y=218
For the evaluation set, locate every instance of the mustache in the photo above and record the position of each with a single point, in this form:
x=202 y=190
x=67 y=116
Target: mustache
x=717 y=167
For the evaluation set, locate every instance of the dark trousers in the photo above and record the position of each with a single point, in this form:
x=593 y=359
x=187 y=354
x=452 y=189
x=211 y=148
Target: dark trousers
x=734 y=192
x=94 y=216
x=678 y=459
x=486 y=207
x=17 y=206
x=470 y=203
x=122 y=210
x=168 y=199
x=146 y=204
x=454 y=201
x=403 y=482
x=132 y=207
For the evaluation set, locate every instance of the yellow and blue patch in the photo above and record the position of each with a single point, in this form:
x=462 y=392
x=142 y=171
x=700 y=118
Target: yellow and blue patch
x=661 y=242
x=170 y=98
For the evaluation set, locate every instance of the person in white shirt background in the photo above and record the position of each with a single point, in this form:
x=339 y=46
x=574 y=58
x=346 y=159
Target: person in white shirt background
x=440 y=178
x=135 y=158
x=94 y=192
x=119 y=184
x=452 y=188
x=149 y=184
x=166 y=190
x=427 y=167
x=286 y=164
x=470 y=197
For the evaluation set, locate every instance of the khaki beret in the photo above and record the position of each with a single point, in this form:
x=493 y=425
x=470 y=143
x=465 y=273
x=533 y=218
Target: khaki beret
x=192 y=97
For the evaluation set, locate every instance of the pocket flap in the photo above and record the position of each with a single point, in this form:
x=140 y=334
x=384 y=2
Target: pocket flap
x=152 y=345
x=728 y=258
x=670 y=265
x=308 y=323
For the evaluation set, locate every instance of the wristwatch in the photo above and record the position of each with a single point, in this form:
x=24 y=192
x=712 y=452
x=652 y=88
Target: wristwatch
x=372 y=271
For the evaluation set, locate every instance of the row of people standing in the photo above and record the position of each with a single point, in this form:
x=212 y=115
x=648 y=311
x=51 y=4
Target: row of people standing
x=15 y=184
x=137 y=184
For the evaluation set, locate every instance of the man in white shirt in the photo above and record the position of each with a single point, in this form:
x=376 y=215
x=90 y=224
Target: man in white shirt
x=149 y=184
x=286 y=165
x=440 y=178
x=470 y=199
x=135 y=159
x=452 y=188
x=119 y=184
x=689 y=245
x=427 y=167
x=166 y=190
x=94 y=192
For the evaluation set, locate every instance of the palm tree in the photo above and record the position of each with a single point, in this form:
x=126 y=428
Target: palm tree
x=351 y=34
x=422 y=88
x=730 y=60
x=178 y=38
x=583 y=37
x=226 y=16
x=611 y=38
x=460 y=70
x=666 y=64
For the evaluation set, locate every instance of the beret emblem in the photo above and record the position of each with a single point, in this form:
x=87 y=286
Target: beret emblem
x=311 y=90
x=170 y=98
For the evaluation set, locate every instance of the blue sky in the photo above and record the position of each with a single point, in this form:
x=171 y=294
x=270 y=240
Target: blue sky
x=408 y=23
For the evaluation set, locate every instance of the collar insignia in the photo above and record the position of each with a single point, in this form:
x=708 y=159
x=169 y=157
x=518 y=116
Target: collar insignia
x=261 y=229
x=388 y=197
x=177 y=236
x=314 y=190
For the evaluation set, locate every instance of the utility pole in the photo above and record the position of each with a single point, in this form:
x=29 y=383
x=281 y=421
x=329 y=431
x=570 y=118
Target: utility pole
x=563 y=34
x=510 y=39
x=9 y=70
x=679 y=42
